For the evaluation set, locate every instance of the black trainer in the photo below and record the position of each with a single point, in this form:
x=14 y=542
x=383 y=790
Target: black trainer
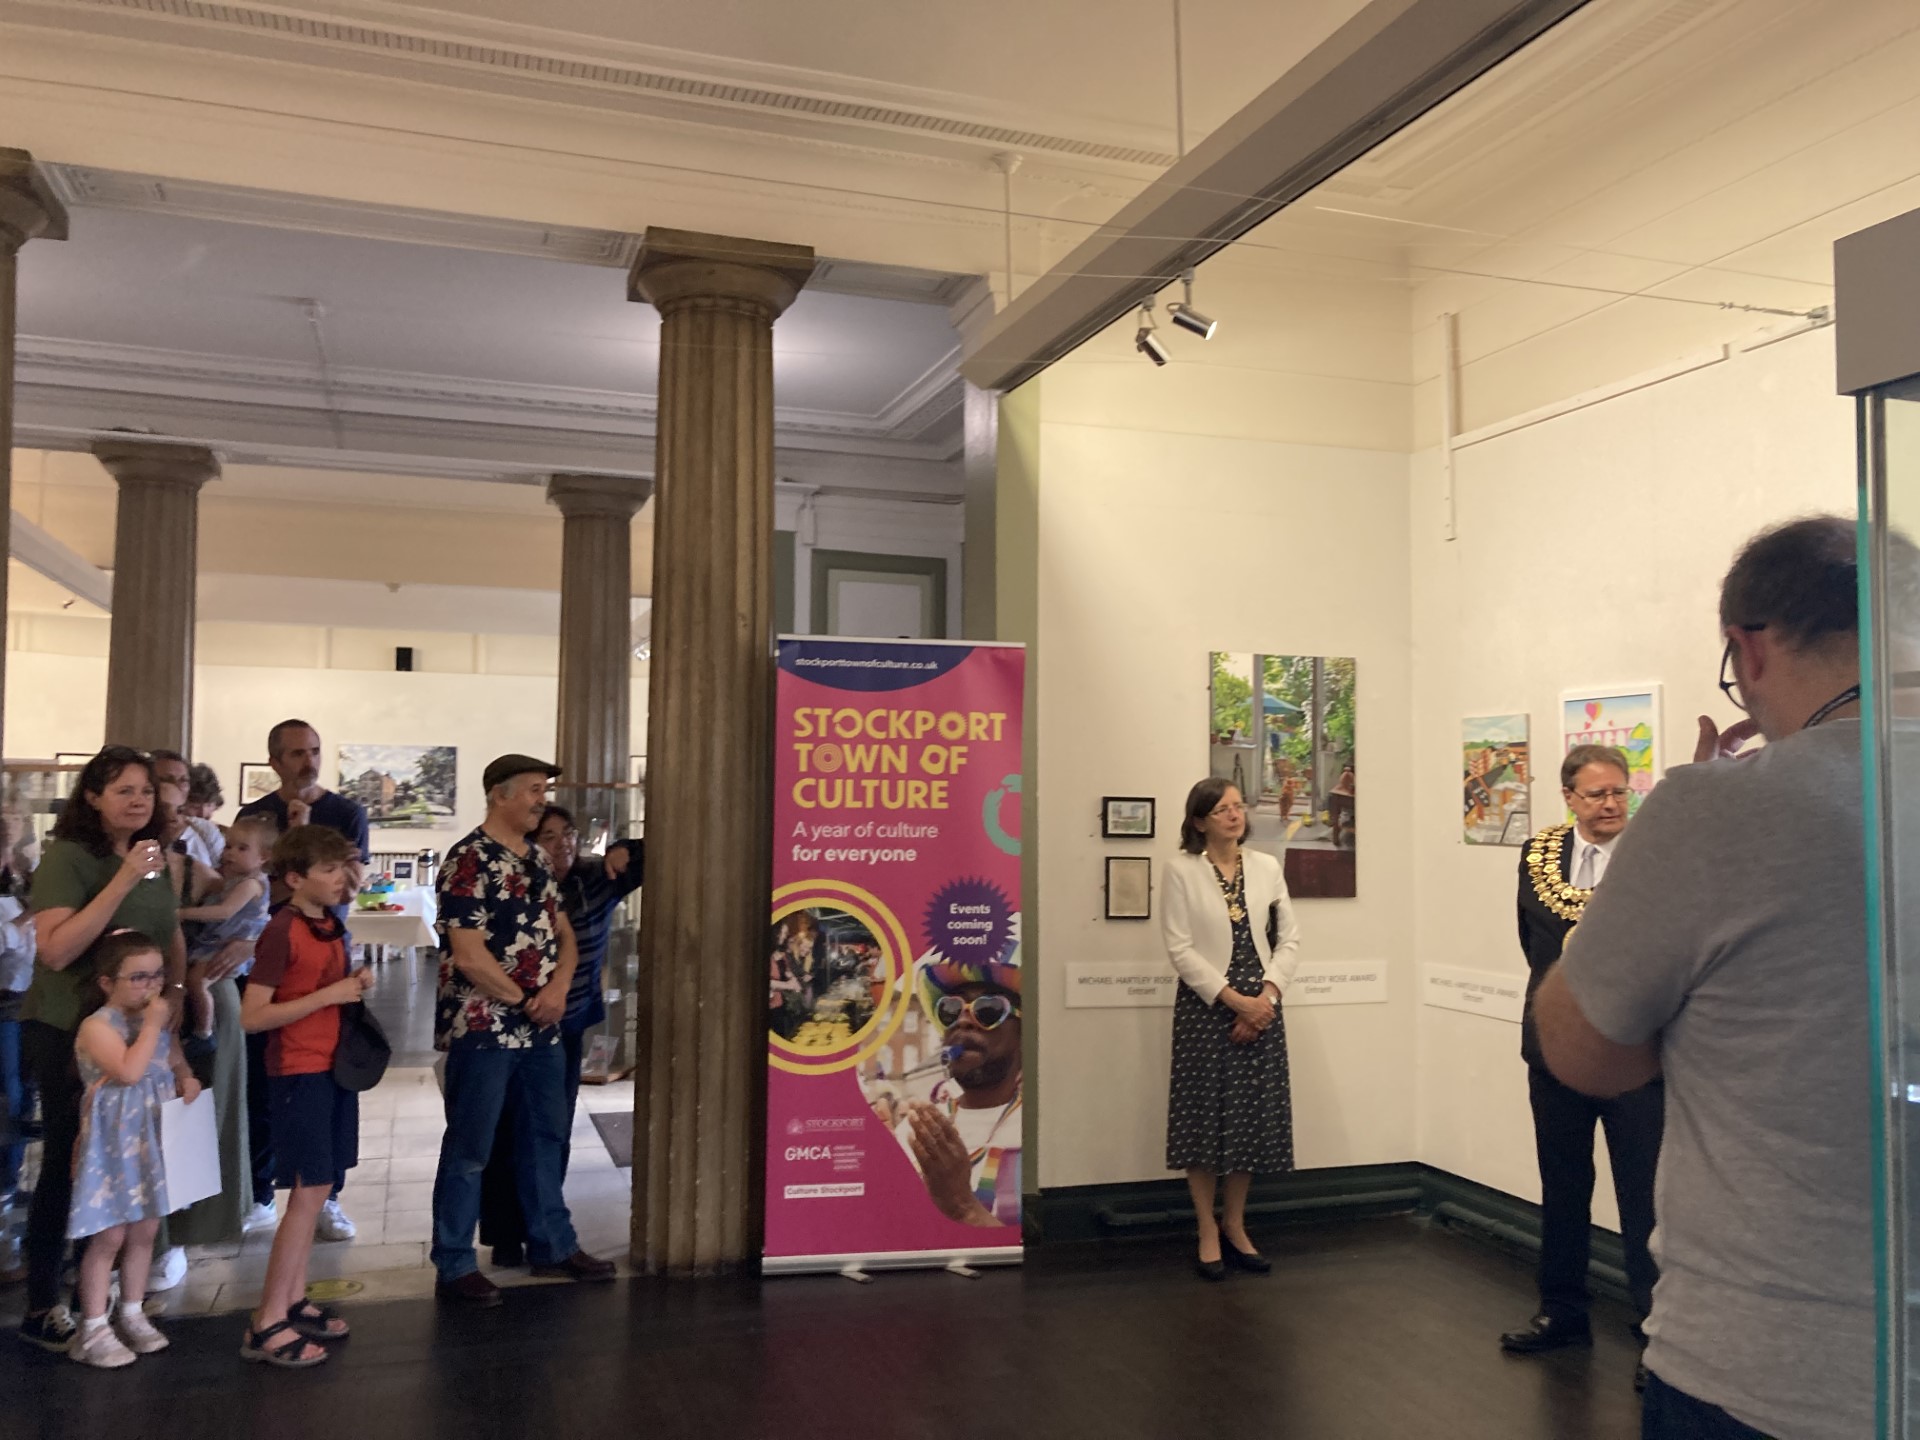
x=51 y=1330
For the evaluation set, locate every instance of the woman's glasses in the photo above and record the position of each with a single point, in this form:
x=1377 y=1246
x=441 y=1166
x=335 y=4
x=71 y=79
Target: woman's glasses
x=989 y=1012
x=144 y=977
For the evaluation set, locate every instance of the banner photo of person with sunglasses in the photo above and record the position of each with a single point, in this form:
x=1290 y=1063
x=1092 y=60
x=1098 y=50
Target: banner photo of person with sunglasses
x=894 y=1079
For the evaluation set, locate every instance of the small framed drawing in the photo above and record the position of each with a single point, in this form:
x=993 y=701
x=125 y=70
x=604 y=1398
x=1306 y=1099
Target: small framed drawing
x=1129 y=887
x=403 y=869
x=1126 y=817
x=257 y=782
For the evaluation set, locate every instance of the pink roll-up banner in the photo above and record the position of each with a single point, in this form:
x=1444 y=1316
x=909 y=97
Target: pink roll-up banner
x=893 y=957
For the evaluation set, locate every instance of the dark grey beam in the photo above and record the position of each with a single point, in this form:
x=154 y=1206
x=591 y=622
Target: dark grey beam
x=1379 y=72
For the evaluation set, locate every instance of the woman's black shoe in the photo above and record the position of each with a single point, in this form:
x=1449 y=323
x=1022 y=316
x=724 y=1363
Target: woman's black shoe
x=1212 y=1270
x=1246 y=1260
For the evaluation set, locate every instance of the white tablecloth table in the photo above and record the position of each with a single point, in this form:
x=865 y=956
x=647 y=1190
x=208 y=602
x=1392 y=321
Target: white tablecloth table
x=410 y=926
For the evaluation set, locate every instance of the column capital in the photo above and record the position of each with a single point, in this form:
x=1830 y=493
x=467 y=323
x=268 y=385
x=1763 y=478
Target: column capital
x=28 y=207
x=676 y=268
x=157 y=462
x=617 y=497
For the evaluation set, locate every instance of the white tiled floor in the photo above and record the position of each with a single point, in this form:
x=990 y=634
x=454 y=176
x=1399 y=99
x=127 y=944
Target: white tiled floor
x=390 y=1195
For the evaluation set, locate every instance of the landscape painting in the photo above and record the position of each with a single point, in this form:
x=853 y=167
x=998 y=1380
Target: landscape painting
x=408 y=787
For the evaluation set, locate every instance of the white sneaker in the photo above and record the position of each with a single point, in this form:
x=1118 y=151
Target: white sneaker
x=99 y=1347
x=138 y=1332
x=333 y=1223
x=168 y=1271
x=260 y=1217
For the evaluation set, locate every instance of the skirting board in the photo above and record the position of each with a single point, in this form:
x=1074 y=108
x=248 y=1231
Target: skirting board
x=1153 y=1209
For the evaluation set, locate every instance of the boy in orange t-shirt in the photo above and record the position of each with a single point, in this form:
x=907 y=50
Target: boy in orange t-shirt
x=299 y=980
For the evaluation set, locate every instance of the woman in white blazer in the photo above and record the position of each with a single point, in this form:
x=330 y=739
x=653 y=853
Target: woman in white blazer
x=1229 y=1111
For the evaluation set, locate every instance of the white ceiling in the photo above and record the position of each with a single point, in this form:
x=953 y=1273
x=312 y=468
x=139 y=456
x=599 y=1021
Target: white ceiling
x=234 y=331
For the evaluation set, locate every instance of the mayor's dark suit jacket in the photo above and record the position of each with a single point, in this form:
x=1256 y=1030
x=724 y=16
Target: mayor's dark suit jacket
x=1542 y=934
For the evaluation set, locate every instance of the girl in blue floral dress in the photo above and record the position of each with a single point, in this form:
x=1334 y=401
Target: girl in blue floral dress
x=130 y=1067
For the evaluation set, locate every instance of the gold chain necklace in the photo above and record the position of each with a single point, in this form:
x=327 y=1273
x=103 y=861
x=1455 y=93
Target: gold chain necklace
x=1234 y=890
x=1560 y=896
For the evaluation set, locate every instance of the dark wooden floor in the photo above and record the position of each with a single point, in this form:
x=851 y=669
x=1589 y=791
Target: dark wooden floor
x=1368 y=1331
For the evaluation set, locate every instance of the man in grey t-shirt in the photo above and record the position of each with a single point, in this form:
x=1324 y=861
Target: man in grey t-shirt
x=1728 y=952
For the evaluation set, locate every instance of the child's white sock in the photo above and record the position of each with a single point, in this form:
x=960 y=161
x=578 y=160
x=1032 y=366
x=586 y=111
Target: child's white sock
x=93 y=1323
x=131 y=1312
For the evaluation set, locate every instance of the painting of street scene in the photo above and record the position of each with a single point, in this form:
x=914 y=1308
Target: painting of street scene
x=1281 y=728
x=408 y=787
x=1496 y=780
x=826 y=978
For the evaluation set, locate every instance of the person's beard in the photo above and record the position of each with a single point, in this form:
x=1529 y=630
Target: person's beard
x=991 y=1071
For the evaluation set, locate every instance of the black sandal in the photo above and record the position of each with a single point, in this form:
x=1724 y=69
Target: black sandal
x=288 y=1355
x=312 y=1320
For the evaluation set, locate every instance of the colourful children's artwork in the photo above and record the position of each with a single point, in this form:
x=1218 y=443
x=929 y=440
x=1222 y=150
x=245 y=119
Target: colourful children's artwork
x=1628 y=720
x=1496 y=780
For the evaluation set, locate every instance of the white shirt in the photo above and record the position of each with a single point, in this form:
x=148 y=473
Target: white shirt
x=1602 y=851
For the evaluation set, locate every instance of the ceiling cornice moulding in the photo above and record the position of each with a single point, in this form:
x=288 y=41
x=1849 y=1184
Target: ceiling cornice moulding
x=495 y=56
x=83 y=187
x=242 y=381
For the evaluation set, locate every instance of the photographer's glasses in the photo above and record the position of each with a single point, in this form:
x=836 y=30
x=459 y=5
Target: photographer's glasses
x=989 y=1012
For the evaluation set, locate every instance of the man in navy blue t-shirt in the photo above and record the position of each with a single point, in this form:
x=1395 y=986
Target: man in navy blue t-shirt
x=293 y=750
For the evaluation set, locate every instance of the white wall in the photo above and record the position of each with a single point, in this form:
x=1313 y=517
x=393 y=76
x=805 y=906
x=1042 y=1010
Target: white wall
x=57 y=703
x=1590 y=552
x=1155 y=549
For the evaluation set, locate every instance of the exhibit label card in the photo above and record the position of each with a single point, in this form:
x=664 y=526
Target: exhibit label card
x=1338 y=982
x=1108 y=984
x=1477 y=992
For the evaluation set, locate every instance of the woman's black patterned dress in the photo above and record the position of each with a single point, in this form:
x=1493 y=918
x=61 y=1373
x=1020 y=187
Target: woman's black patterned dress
x=1230 y=1107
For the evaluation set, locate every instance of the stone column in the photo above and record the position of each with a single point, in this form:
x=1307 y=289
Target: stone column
x=27 y=210
x=156 y=537
x=596 y=647
x=701 y=1098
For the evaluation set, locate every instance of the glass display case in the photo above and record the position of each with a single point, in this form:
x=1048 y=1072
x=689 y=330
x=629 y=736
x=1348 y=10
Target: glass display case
x=1889 y=425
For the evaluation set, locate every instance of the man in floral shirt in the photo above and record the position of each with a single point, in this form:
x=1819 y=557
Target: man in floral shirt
x=506 y=961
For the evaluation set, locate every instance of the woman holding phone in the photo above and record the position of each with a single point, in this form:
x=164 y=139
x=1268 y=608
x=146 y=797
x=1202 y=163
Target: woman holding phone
x=1230 y=932
x=103 y=871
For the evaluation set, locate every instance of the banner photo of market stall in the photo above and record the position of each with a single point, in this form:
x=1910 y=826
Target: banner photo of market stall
x=894 y=983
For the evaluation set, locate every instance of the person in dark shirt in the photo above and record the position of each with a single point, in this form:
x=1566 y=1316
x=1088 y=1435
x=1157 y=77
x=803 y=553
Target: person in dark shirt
x=293 y=750
x=591 y=889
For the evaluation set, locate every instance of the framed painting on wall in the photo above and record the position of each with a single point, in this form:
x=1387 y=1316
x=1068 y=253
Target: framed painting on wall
x=1496 y=779
x=402 y=786
x=1626 y=718
x=1281 y=730
x=257 y=782
x=1126 y=817
x=1129 y=887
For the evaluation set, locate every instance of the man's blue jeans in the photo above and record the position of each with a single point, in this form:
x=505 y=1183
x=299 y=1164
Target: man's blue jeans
x=480 y=1084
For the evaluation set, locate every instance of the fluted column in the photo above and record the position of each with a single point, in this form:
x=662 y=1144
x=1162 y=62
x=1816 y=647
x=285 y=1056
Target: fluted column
x=596 y=646
x=156 y=542
x=701 y=1100
x=27 y=210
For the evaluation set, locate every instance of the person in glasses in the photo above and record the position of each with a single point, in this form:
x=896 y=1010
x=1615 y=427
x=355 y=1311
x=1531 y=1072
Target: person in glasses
x=104 y=871
x=1728 y=951
x=965 y=1139
x=1229 y=928
x=1560 y=869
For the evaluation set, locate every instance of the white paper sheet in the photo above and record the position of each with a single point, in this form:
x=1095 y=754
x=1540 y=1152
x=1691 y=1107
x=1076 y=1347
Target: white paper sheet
x=190 y=1150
